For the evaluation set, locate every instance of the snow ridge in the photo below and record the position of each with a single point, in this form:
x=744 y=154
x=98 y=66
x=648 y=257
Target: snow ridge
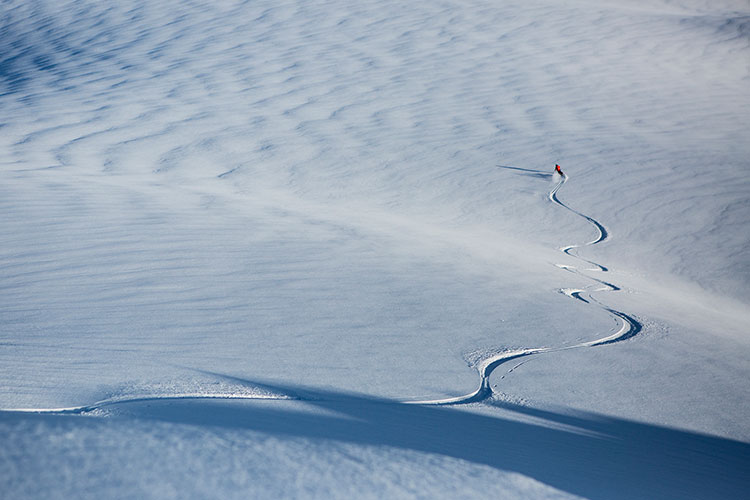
x=629 y=327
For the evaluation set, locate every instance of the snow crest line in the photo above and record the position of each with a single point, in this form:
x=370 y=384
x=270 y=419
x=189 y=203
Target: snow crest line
x=100 y=405
x=629 y=326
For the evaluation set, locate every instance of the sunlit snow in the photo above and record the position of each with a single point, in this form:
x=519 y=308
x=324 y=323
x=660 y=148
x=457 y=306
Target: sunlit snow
x=318 y=249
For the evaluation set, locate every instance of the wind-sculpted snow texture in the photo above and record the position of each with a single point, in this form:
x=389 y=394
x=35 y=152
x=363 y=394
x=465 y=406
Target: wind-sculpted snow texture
x=239 y=240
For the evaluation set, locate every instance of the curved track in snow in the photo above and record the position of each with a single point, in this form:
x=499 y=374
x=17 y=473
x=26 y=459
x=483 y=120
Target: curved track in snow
x=629 y=326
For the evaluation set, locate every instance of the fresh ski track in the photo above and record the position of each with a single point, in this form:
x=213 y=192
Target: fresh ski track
x=629 y=327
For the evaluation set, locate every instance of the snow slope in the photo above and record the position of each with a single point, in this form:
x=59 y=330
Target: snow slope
x=241 y=239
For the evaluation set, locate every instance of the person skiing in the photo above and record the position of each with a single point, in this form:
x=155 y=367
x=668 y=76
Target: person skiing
x=559 y=170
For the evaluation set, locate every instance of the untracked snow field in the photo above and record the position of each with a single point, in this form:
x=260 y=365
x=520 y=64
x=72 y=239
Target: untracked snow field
x=318 y=249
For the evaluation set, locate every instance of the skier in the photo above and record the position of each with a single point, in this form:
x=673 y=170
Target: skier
x=559 y=170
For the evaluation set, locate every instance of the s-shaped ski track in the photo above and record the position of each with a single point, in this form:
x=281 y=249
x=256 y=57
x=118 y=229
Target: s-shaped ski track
x=629 y=326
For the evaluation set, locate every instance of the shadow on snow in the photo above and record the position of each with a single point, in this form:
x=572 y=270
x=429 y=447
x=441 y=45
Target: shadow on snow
x=529 y=172
x=582 y=453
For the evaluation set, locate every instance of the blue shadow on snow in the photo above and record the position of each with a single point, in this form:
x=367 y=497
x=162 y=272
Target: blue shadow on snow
x=590 y=455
